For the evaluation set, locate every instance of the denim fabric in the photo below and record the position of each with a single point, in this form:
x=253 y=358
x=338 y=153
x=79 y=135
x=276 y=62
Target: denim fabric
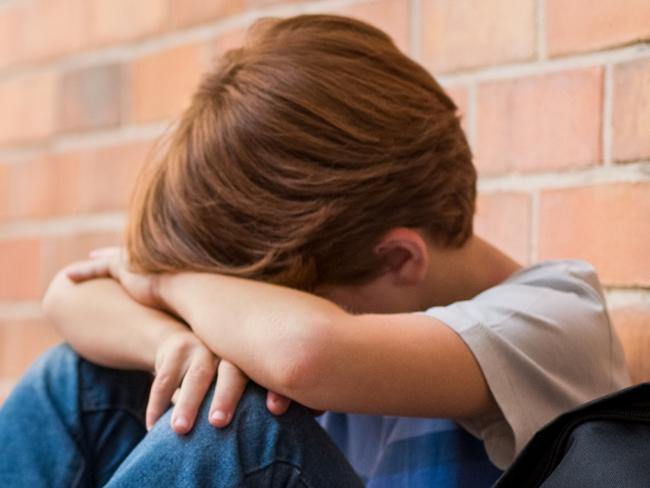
x=70 y=423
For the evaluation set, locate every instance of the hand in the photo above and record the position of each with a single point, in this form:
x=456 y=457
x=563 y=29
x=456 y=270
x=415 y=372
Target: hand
x=184 y=360
x=176 y=356
x=112 y=262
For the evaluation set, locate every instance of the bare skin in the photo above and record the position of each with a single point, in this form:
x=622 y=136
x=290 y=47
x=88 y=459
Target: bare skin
x=351 y=348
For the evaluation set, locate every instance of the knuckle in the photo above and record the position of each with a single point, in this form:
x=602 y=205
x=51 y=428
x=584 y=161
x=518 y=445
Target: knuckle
x=227 y=368
x=200 y=374
x=162 y=383
x=224 y=400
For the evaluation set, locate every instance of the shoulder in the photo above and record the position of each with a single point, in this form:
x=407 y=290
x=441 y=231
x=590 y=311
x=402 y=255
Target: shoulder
x=545 y=344
x=566 y=293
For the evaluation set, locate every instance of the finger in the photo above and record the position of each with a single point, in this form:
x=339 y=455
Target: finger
x=104 y=251
x=88 y=270
x=163 y=387
x=195 y=385
x=231 y=383
x=276 y=403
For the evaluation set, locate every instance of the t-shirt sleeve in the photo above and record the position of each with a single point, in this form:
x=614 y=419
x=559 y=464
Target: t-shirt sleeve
x=545 y=344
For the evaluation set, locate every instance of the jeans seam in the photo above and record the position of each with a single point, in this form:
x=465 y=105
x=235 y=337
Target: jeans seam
x=105 y=408
x=270 y=463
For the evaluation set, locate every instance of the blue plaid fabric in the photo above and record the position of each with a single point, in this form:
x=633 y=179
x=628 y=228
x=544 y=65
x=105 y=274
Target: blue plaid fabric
x=392 y=452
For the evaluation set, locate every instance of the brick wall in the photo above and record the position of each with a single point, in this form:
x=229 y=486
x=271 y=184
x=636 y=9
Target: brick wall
x=555 y=96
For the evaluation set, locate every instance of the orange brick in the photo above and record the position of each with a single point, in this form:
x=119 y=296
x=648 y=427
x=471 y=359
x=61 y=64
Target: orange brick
x=6 y=385
x=49 y=28
x=632 y=324
x=59 y=251
x=24 y=341
x=504 y=220
x=90 y=98
x=463 y=34
x=9 y=43
x=28 y=107
x=21 y=276
x=163 y=82
x=120 y=20
x=264 y=3
x=108 y=175
x=391 y=16
x=584 y=25
x=228 y=40
x=545 y=122
x=190 y=12
x=631 y=111
x=607 y=225
x=44 y=186
x=4 y=191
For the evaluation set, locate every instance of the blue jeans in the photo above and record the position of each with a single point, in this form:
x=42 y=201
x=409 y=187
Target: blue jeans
x=71 y=423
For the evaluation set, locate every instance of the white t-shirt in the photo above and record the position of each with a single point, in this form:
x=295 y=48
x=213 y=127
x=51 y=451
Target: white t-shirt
x=545 y=344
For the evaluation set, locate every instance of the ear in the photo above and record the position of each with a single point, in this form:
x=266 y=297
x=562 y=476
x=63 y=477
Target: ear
x=406 y=256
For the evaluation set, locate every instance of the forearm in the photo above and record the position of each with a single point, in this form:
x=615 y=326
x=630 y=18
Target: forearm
x=314 y=352
x=104 y=325
x=270 y=332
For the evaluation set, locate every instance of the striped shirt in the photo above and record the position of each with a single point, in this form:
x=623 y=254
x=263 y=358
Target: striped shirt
x=545 y=345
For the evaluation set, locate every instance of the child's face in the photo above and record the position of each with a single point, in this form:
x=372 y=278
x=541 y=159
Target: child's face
x=378 y=296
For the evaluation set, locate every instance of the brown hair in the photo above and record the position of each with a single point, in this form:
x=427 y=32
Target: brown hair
x=299 y=151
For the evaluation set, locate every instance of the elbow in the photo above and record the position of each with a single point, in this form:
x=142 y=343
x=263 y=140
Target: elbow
x=54 y=298
x=298 y=362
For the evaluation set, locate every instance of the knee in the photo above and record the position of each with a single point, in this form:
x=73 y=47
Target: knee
x=252 y=415
x=54 y=364
x=253 y=439
x=252 y=429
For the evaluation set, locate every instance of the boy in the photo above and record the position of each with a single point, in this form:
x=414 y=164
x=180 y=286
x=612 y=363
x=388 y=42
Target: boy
x=310 y=221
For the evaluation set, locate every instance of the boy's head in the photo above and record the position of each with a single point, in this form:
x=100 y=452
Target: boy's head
x=300 y=152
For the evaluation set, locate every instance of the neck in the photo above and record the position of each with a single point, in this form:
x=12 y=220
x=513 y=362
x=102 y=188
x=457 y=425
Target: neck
x=460 y=274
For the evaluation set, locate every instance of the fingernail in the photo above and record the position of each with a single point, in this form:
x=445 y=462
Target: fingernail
x=218 y=416
x=181 y=423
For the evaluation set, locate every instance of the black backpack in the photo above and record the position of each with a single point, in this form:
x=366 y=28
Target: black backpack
x=604 y=443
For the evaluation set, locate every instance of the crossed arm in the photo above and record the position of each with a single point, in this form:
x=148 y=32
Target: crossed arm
x=295 y=344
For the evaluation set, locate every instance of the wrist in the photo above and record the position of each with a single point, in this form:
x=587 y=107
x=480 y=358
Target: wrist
x=161 y=291
x=154 y=290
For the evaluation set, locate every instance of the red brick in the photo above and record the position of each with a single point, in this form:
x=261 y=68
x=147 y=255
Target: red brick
x=121 y=20
x=607 y=225
x=585 y=25
x=190 y=12
x=632 y=324
x=59 y=251
x=163 y=82
x=24 y=341
x=44 y=186
x=631 y=111
x=90 y=98
x=504 y=220
x=28 y=104
x=108 y=175
x=463 y=34
x=391 y=16
x=21 y=276
x=544 y=122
